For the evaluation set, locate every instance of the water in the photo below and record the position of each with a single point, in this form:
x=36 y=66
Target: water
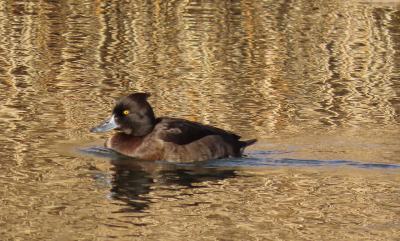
x=316 y=82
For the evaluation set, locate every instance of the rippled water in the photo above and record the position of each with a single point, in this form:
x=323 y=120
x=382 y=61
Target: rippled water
x=317 y=82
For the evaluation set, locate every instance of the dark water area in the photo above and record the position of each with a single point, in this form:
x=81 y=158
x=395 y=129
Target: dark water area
x=316 y=82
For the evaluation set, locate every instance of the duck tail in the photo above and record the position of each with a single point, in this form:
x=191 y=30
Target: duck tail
x=248 y=143
x=244 y=144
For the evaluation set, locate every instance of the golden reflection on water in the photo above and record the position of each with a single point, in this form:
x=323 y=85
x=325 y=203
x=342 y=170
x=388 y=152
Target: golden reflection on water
x=267 y=203
x=311 y=80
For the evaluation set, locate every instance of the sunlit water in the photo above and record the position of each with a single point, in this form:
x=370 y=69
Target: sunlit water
x=316 y=82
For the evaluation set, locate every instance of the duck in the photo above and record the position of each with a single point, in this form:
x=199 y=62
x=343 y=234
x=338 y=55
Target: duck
x=141 y=135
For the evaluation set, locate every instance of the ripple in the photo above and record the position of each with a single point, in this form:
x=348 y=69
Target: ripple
x=256 y=158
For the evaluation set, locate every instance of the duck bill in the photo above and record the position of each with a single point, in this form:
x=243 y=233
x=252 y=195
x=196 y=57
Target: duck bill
x=110 y=124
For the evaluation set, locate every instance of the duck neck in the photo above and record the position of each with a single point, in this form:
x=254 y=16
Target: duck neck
x=143 y=130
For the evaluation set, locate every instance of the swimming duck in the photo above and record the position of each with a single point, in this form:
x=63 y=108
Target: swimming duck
x=165 y=139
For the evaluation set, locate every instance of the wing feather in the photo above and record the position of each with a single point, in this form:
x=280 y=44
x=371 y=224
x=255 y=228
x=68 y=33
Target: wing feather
x=183 y=132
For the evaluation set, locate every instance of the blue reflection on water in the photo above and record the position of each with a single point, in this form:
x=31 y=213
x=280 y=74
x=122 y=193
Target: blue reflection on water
x=262 y=159
x=258 y=158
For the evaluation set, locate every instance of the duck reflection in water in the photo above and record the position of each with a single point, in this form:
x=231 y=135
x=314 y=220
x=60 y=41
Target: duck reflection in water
x=133 y=180
x=166 y=139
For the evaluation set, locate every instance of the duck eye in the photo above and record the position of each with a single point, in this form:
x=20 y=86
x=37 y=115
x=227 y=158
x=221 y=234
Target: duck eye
x=126 y=112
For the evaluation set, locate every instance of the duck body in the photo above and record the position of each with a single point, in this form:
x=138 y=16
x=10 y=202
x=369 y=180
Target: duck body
x=166 y=139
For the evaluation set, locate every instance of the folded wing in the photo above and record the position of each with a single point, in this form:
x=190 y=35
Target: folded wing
x=183 y=132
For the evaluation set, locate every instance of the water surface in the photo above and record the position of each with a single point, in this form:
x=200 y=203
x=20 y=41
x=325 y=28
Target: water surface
x=316 y=82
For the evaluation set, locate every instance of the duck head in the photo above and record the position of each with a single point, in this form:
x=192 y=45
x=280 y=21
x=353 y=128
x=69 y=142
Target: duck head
x=132 y=114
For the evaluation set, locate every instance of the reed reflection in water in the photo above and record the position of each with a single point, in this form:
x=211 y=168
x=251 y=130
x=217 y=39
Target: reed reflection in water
x=316 y=82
